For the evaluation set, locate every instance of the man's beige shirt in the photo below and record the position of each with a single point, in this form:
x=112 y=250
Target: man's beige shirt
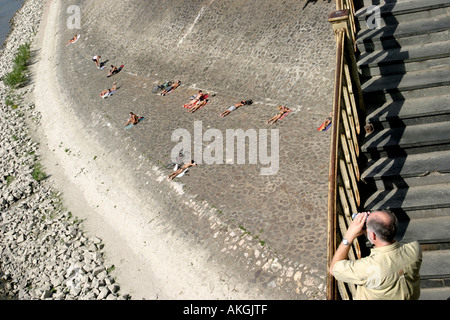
x=389 y=273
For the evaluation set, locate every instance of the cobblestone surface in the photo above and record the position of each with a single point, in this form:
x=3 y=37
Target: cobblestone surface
x=270 y=230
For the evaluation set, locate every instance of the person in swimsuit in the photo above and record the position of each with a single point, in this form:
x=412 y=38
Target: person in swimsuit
x=327 y=122
x=196 y=99
x=96 y=59
x=72 y=40
x=283 y=111
x=107 y=92
x=232 y=108
x=133 y=119
x=172 y=87
x=181 y=169
x=112 y=71
x=202 y=101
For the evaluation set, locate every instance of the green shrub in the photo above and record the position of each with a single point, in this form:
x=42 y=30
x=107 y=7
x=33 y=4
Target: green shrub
x=14 y=78
x=23 y=56
x=18 y=75
x=38 y=174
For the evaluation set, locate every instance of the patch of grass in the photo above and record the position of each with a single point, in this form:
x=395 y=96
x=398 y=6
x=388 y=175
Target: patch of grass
x=18 y=75
x=23 y=56
x=38 y=174
x=9 y=180
x=11 y=100
x=15 y=78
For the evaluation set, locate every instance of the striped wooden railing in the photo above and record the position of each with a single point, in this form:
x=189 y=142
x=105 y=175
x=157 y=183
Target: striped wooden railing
x=348 y=109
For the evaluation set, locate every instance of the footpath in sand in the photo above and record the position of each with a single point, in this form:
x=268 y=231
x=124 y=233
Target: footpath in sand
x=223 y=231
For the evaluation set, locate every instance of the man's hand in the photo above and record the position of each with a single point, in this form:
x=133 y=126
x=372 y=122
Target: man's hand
x=356 y=228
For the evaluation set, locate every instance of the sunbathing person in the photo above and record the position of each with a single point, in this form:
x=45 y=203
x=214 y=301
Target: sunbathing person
x=283 y=111
x=181 y=169
x=107 y=92
x=202 y=100
x=232 y=108
x=72 y=40
x=112 y=71
x=327 y=122
x=133 y=119
x=172 y=87
x=196 y=99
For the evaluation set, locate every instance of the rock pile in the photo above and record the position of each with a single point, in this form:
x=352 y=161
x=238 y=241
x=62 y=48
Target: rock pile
x=44 y=253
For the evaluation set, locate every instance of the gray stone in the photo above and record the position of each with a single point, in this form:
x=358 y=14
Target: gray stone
x=114 y=288
x=46 y=294
x=98 y=270
x=103 y=293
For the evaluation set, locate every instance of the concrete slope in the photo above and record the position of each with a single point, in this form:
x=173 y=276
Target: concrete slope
x=270 y=49
x=223 y=230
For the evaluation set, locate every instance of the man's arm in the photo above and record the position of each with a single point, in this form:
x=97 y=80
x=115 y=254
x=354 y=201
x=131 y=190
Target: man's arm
x=354 y=230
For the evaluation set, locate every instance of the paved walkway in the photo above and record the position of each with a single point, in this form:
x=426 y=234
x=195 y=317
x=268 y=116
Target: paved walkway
x=268 y=231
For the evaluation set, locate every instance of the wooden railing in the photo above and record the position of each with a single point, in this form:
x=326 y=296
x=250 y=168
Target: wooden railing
x=348 y=109
x=348 y=6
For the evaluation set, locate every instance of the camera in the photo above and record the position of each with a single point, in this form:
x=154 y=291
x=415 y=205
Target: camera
x=365 y=222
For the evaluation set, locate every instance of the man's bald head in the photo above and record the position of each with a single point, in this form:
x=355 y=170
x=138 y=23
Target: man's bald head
x=384 y=224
